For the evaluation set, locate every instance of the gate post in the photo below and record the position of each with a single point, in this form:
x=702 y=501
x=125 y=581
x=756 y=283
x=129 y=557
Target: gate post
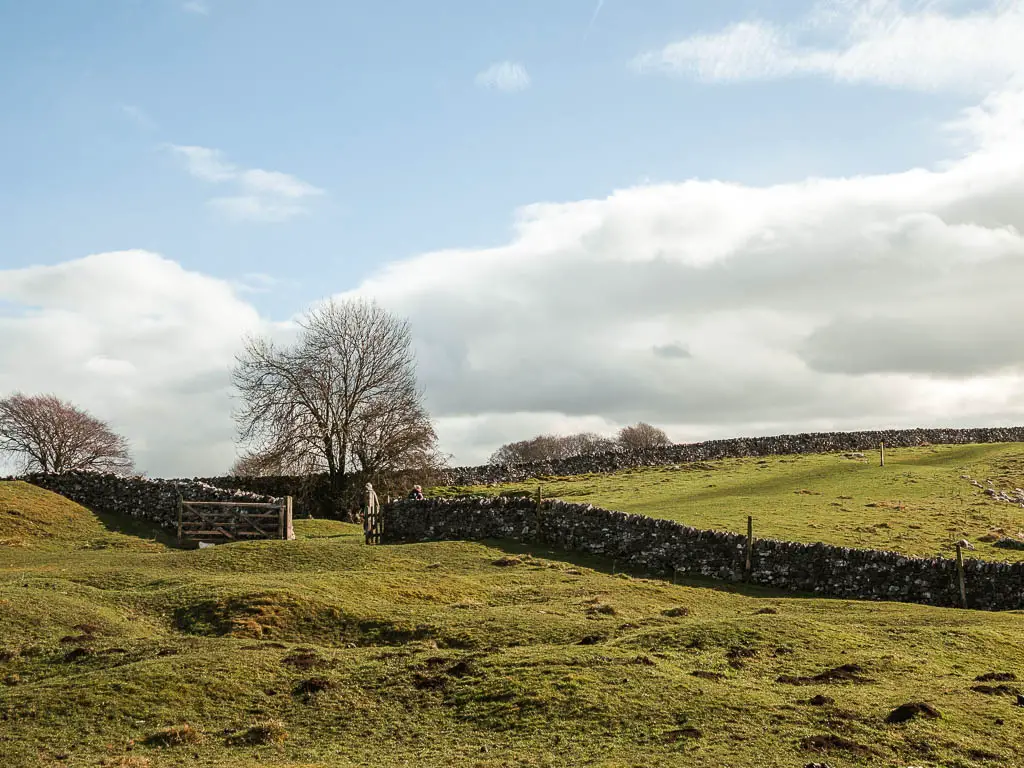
x=179 y=517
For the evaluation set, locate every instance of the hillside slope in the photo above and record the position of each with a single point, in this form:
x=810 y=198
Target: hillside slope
x=919 y=503
x=324 y=652
x=31 y=517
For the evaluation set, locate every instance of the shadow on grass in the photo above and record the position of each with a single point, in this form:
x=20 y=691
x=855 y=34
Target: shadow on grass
x=612 y=567
x=140 y=529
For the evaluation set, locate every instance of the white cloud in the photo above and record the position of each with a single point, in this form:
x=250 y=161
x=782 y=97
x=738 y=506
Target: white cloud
x=508 y=76
x=874 y=41
x=268 y=196
x=197 y=7
x=137 y=340
x=719 y=309
x=707 y=308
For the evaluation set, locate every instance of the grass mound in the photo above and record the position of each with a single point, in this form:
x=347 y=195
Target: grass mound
x=34 y=518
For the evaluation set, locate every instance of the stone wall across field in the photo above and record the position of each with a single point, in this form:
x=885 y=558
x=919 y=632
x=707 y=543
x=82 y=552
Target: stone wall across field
x=139 y=497
x=665 y=547
x=819 y=442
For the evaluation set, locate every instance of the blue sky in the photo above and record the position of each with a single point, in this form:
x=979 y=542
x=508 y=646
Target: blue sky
x=499 y=173
x=376 y=104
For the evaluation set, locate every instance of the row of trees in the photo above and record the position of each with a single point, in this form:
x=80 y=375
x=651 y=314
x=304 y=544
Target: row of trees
x=637 y=438
x=341 y=402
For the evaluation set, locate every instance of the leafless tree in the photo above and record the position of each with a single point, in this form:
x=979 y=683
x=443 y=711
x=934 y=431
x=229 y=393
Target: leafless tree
x=254 y=464
x=588 y=444
x=50 y=435
x=342 y=399
x=551 y=448
x=642 y=437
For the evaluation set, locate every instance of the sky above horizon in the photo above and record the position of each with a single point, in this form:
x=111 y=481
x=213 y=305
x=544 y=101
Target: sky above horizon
x=731 y=218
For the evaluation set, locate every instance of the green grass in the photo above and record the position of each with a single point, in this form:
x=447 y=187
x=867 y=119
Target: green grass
x=916 y=504
x=324 y=652
x=32 y=518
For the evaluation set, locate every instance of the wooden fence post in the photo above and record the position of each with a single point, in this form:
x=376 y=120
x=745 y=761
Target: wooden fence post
x=540 y=499
x=179 y=517
x=960 y=575
x=288 y=529
x=881 y=454
x=750 y=544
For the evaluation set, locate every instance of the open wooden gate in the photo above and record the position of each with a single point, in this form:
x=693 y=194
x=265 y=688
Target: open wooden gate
x=218 y=522
x=373 y=520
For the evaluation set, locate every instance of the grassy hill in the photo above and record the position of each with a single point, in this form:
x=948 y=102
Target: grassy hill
x=323 y=652
x=918 y=503
x=33 y=518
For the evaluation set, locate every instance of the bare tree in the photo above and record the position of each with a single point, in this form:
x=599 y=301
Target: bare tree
x=588 y=444
x=551 y=448
x=342 y=399
x=51 y=435
x=642 y=437
x=253 y=464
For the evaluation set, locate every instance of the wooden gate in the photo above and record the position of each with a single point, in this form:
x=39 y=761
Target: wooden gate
x=373 y=520
x=218 y=522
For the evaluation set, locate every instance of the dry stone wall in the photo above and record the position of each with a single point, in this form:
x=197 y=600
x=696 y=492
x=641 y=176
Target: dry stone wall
x=820 y=442
x=665 y=547
x=308 y=492
x=139 y=497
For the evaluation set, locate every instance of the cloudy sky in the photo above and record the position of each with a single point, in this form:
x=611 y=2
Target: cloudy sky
x=732 y=218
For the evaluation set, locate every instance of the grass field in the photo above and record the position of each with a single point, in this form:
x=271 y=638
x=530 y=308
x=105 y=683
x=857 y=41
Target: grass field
x=917 y=503
x=118 y=651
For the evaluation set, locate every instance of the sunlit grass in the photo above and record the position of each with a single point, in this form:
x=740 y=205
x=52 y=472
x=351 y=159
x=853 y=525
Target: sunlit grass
x=916 y=504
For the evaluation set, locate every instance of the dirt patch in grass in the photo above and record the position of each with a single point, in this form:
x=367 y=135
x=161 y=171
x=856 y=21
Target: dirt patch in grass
x=260 y=734
x=174 y=736
x=847 y=673
x=678 y=611
x=996 y=677
x=313 y=686
x=704 y=674
x=460 y=669
x=601 y=609
x=911 y=710
x=423 y=682
x=820 y=701
x=832 y=743
x=77 y=654
x=304 y=658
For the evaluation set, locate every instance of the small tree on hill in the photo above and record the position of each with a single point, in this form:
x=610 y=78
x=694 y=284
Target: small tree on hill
x=48 y=434
x=343 y=399
x=642 y=437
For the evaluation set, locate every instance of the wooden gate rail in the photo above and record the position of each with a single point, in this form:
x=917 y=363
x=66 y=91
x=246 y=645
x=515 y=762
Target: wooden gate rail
x=220 y=521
